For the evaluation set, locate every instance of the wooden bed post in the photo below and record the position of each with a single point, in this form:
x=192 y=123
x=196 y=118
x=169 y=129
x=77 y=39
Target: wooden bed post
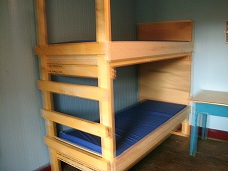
x=46 y=96
x=103 y=34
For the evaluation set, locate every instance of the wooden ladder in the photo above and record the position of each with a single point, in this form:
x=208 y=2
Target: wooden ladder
x=54 y=61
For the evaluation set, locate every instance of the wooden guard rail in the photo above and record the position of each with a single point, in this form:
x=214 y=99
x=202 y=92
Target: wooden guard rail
x=81 y=156
x=91 y=48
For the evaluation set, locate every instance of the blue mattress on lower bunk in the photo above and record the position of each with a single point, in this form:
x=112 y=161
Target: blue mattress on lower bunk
x=131 y=125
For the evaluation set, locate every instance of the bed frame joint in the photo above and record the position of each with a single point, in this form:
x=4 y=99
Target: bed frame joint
x=113 y=73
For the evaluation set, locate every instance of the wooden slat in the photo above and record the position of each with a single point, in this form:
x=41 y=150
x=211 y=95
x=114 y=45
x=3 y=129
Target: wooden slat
x=166 y=31
x=88 y=48
x=71 y=161
x=73 y=70
x=122 y=50
x=88 y=92
x=141 y=60
x=83 y=157
x=72 y=60
x=76 y=123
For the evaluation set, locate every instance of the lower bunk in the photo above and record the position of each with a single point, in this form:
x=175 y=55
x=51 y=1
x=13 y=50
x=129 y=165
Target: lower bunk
x=139 y=129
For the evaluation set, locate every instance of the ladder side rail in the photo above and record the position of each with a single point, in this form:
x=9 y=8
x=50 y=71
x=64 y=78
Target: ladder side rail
x=46 y=96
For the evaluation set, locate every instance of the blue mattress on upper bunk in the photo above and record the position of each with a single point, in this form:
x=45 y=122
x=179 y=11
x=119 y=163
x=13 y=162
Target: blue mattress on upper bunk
x=131 y=125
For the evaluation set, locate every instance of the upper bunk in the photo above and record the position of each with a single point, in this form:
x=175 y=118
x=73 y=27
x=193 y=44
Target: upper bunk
x=155 y=41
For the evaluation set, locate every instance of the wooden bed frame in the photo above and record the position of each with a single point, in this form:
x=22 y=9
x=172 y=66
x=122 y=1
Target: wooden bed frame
x=164 y=74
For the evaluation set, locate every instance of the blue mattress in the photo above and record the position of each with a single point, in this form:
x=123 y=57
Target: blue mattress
x=132 y=124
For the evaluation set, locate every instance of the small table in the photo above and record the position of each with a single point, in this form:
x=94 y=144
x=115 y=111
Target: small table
x=205 y=103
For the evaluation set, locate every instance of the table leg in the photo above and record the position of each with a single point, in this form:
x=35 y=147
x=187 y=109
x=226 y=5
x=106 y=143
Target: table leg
x=204 y=126
x=194 y=135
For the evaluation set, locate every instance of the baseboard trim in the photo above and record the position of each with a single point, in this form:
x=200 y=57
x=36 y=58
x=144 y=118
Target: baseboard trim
x=215 y=134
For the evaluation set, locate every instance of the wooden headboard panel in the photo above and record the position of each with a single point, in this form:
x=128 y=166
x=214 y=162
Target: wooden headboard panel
x=166 y=31
x=167 y=80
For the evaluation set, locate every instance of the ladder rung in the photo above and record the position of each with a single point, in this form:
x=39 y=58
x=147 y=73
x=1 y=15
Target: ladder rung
x=76 y=123
x=87 y=92
x=72 y=60
x=73 y=70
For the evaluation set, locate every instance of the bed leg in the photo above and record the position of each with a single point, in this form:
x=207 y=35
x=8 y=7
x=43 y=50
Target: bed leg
x=55 y=163
x=185 y=127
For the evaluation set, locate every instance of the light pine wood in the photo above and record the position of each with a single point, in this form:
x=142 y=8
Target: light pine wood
x=166 y=31
x=76 y=123
x=73 y=70
x=103 y=34
x=167 y=80
x=88 y=92
x=185 y=128
x=73 y=163
x=41 y=22
x=103 y=21
x=86 y=48
x=83 y=157
x=141 y=60
x=117 y=50
x=211 y=97
x=72 y=60
x=46 y=96
x=140 y=49
x=106 y=108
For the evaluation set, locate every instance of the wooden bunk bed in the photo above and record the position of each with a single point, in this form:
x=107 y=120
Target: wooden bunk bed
x=164 y=75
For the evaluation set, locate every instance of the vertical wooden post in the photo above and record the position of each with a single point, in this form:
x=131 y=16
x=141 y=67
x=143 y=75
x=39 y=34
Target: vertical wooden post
x=46 y=96
x=106 y=108
x=103 y=34
x=103 y=21
x=185 y=128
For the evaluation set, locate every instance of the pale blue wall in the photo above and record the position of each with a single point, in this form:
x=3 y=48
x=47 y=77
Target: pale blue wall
x=21 y=127
x=210 y=57
x=68 y=21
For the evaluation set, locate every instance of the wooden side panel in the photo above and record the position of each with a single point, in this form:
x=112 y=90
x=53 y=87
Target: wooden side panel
x=167 y=80
x=136 y=152
x=166 y=31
